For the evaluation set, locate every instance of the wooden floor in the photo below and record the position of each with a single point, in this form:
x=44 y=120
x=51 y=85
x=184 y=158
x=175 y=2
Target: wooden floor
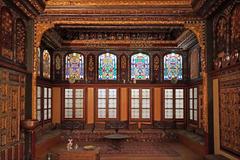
x=171 y=151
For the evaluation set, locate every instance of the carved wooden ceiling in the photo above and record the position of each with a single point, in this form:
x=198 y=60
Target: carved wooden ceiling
x=117 y=2
x=118 y=7
x=120 y=33
x=117 y=37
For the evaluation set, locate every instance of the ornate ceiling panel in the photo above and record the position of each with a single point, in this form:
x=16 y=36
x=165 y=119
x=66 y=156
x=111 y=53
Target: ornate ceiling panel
x=119 y=33
x=117 y=2
x=118 y=7
x=116 y=36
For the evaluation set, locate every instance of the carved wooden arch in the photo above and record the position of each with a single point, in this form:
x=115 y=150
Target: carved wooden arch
x=197 y=27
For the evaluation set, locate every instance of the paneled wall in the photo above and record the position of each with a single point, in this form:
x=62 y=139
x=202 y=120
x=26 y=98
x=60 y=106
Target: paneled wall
x=226 y=82
x=12 y=105
x=12 y=82
x=226 y=92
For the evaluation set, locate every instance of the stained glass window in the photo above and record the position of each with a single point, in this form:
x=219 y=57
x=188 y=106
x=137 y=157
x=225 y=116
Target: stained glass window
x=140 y=64
x=74 y=66
x=107 y=67
x=107 y=104
x=46 y=64
x=172 y=66
x=140 y=104
x=74 y=103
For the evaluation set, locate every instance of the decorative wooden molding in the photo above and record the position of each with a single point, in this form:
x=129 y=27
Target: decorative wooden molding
x=32 y=8
x=120 y=2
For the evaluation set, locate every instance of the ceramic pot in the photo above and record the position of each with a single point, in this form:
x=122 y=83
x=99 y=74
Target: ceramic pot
x=217 y=63
x=234 y=57
x=226 y=61
x=29 y=124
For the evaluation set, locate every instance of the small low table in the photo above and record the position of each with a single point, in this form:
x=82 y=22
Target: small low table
x=116 y=140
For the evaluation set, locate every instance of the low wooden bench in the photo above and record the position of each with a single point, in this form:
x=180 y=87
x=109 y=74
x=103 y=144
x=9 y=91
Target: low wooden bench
x=215 y=157
x=192 y=140
x=79 y=154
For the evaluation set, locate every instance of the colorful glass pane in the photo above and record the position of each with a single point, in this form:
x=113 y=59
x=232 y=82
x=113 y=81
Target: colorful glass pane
x=140 y=66
x=74 y=66
x=172 y=66
x=107 y=67
x=46 y=64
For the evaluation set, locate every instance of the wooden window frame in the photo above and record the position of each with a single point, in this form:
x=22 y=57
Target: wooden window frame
x=107 y=108
x=140 y=119
x=174 y=105
x=40 y=100
x=74 y=104
x=42 y=108
x=47 y=108
x=193 y=106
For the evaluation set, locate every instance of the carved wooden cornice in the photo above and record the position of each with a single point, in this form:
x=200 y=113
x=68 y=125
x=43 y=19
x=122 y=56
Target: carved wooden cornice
x=117 y=3
x=84 y=44
x=187 y=40
x=118 y=20
x=205 y=8
x=143 y=10
x=32 y=8
x=121 y=7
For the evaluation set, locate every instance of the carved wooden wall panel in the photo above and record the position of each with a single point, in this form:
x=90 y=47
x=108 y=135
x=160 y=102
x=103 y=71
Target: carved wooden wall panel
x=235 y=28
x=194 y=63
x=227 y=36
x=7 y=33
x=91 y=71
x=124 y=67
x=20 y=41
x=12 y=104
x=221 y=35
x=230 y=112
x=58 y=66
x=156 y=68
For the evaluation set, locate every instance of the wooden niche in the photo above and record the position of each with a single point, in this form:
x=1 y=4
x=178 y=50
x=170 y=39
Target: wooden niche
x=6 y=33
x=235 y=28
x=91 y=67
x=20 y=41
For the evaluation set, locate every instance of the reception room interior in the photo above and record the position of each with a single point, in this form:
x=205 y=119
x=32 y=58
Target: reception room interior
x=119 y=80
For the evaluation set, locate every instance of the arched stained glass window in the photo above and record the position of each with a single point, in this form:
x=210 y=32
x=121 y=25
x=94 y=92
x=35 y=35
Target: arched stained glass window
x=74 y=66
x=46 y=64
x=172 y=66
x=140 y=66
x=107 y=67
